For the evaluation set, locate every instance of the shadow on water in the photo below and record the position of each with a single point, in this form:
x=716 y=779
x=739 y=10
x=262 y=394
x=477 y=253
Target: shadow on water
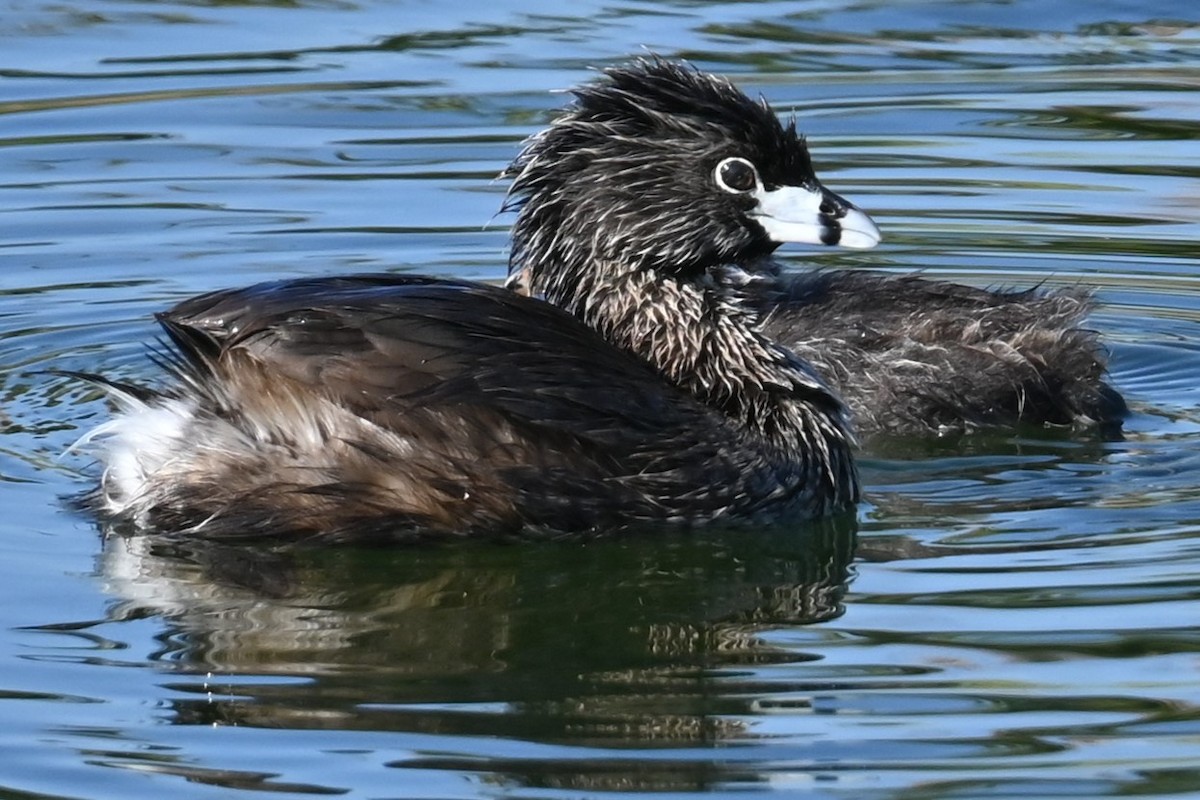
x=614 y=641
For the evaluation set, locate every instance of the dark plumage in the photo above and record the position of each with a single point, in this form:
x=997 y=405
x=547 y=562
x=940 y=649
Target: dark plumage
x=377 y=406
x=661 y=373
x=908 y=356
x=396 y=407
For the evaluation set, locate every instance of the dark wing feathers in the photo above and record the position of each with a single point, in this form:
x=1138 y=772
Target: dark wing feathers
x=402 y=342
x=513 y=405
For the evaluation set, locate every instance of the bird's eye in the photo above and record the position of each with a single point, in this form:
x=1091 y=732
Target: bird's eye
x=736 y=175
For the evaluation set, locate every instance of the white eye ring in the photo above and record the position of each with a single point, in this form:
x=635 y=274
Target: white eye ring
x=732 y=173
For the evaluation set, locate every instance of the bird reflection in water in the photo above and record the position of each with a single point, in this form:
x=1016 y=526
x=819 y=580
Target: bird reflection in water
x=624 y=641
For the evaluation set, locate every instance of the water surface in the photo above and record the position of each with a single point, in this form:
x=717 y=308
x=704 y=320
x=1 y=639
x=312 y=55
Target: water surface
x=1010 y=615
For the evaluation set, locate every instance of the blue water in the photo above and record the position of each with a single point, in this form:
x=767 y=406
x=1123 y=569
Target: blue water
x=1009 y=616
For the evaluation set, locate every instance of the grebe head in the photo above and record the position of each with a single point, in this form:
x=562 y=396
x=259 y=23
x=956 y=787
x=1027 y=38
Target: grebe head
x=657 y=166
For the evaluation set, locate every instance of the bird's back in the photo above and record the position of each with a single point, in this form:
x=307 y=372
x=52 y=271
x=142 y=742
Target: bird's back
x=912 y=355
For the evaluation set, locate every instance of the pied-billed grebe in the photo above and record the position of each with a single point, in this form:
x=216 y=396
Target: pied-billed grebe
x=647 y=391
x=629 y=163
